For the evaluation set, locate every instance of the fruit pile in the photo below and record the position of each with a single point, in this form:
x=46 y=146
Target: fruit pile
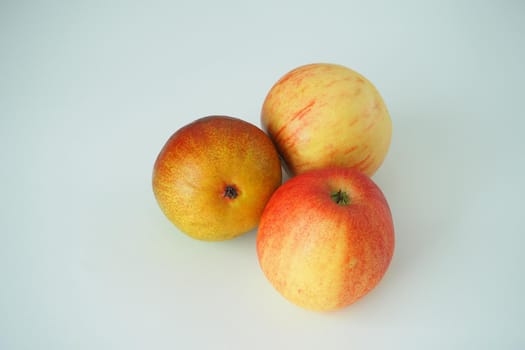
x=325 y=237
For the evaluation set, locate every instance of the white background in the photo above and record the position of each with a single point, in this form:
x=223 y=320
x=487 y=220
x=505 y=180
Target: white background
x=90 y=91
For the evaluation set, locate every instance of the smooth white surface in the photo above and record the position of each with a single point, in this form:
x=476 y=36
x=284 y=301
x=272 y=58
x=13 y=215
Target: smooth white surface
x=90 y=91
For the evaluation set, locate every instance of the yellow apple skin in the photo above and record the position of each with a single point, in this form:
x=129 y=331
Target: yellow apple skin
x=321 y=115
x=214 y=176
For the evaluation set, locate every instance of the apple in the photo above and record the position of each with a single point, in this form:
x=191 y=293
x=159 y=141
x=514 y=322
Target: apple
x=326 y=238
x=321 y=115
x=214 y=176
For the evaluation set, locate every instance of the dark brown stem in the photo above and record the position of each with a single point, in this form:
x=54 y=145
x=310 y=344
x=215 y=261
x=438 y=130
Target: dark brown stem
x=230 y=191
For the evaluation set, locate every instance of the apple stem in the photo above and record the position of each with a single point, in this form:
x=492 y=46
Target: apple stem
x=230 y=192
x=340 y=197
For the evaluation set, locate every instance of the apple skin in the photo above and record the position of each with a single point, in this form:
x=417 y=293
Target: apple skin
x=321 y=115
x=321 y=255
x=214 y=176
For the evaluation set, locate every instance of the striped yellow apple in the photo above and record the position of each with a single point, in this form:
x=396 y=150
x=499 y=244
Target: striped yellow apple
x=326 y=238
x=214 y=176
x=322 y=114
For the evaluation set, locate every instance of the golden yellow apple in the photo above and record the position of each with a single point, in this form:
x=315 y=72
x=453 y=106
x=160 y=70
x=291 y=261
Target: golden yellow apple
x=214 y=176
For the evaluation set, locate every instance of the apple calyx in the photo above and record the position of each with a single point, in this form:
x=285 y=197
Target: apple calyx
x=340 y=197
x=230 y=191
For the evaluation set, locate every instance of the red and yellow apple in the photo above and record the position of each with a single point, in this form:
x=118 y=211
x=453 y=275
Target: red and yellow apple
x=214 y=176
x=321 y=115
x=326 y=238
